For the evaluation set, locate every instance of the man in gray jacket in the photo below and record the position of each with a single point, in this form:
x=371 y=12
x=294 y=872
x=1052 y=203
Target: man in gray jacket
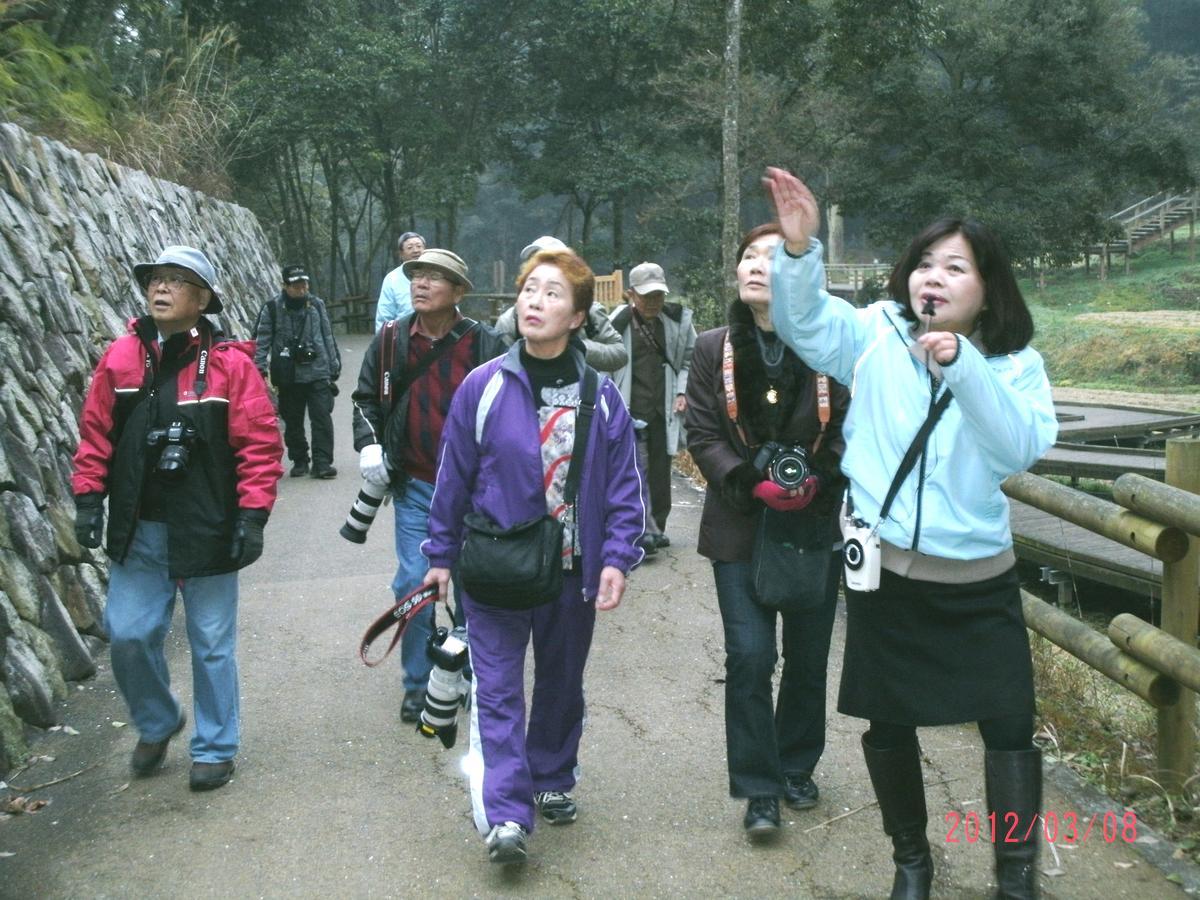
x=297 y=350
x=659 y=338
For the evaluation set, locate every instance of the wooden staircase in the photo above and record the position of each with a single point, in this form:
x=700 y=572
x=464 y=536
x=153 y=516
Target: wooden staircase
x=1149 y=220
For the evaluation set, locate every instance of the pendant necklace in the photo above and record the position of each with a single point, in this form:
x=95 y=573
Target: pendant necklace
x=772 y=357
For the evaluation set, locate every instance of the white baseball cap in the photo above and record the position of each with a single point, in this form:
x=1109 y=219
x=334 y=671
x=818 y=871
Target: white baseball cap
x=647 y=277
x=545 y=242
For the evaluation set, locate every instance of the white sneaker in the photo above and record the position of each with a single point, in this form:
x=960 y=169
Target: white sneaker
x=506 y=843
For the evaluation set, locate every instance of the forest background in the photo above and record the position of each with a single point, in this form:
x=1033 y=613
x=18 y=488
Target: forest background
x=484 y=123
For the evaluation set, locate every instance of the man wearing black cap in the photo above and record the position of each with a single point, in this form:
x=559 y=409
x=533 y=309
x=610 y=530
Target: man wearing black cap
x=178 y=433
x=296 y=346
x=395 y=294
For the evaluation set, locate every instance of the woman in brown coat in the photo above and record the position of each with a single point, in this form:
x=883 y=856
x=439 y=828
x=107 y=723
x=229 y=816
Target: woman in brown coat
x=765 y=430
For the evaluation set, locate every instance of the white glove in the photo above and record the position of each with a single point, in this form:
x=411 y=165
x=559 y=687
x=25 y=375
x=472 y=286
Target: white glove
x=372 y=466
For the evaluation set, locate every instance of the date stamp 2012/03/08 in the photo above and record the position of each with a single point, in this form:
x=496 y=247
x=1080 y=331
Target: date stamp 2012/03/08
x=1054 y=827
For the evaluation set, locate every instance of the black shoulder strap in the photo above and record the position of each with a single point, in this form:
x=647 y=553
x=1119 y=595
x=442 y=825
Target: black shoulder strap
x=915 y=449
x=395 y=385
x=583 y=427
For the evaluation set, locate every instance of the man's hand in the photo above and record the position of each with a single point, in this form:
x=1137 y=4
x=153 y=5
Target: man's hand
x=372 y=466
x=440 y=577
x=796 y=209
x=89 y=519
x=247 y=543
x=612 y=588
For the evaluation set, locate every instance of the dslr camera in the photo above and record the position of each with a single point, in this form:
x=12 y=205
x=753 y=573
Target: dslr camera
x=447 y=689
x=784 y=464
x=176 y=442
x=302 y=352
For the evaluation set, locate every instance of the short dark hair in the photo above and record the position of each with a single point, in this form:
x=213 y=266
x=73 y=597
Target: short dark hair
x=753 y=235
x=1005 y=322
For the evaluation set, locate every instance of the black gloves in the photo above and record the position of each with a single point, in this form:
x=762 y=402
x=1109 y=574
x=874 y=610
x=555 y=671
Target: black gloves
x=247 y=545
x=737 y=490
x=89 y=519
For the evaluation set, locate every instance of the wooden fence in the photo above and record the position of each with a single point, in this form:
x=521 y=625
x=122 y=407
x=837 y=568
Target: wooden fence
x=1160 y=665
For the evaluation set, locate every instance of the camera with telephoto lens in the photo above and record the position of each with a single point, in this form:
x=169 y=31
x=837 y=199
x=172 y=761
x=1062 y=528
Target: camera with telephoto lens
x=447 y=689
x=362 y=513
x=303 y=352
x=784 y=464
x=175 y=441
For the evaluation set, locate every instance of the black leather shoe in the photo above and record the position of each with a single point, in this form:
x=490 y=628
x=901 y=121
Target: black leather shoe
x=299 y=469
x=648 y=544
x=410 y=709
x=210 y=776
x=800 y=792
x=148 y=756
x=762 y=817
x=661 y=540
x=324 y=472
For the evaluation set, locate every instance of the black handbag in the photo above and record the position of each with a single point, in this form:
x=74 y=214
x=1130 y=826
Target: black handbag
x=520 y=567
x=791 y=560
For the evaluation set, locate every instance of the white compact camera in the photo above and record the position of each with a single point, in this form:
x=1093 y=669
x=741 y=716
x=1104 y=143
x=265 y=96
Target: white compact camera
x=861 y=554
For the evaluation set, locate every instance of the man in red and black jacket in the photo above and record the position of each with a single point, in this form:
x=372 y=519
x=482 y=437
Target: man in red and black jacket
x=179 y=433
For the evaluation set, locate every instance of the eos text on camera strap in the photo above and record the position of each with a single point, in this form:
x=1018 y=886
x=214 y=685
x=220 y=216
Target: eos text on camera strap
x=399 y=615
x=153 y=375
x=824 y=407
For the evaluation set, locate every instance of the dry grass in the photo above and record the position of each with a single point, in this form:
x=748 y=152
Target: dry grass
x=1108 y=735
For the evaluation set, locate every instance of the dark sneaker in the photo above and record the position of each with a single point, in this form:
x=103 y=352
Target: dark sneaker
x=325 y=472
x=299 y=469
x=556 y=807
x=648 y=544
x=800 y=792
x=210 y=776
x=661 y=541
x=506 y=844
x=148 y=756
x=410 y=709
x=762 y=817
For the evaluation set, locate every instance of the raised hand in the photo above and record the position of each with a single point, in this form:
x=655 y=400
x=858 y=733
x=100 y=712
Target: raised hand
x=796 y=208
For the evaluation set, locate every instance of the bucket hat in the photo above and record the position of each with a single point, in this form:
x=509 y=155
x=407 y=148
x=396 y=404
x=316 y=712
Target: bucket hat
x=443 y=260
x=188 y=258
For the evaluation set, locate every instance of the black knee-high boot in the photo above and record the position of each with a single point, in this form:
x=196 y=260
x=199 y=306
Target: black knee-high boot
x=1014 y=794
x=900 y=789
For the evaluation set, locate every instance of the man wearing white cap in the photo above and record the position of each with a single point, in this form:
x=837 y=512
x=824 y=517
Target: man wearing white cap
x=178 y=433
x=603 y=345
x=659 y=338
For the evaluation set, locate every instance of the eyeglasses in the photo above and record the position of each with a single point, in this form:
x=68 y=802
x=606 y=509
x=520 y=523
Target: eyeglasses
x=172 y=281
x=433 y=276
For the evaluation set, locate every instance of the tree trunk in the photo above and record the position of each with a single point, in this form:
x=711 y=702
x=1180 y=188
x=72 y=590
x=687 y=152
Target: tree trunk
x=731 y=200
x=618 y=229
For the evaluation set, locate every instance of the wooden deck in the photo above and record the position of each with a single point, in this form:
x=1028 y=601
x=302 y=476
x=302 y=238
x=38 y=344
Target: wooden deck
x=1080 y=423
x=1105 y=463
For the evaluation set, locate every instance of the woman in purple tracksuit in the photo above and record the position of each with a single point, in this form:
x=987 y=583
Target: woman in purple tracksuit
x=504 y=454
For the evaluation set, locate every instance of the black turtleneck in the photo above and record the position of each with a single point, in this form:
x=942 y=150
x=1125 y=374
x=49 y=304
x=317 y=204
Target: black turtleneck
x=548 y=373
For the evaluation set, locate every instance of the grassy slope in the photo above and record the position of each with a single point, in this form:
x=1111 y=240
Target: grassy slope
x=1125 y=355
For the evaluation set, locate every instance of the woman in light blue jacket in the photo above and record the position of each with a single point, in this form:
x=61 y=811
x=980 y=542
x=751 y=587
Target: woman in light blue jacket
x=934 y=631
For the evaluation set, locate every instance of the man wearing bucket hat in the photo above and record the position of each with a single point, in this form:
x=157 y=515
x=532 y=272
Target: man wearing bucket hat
x=659 y=337
x=603 y=345
x=296 y=345
x=409 y=375
x=395 y=298
x=178 y=432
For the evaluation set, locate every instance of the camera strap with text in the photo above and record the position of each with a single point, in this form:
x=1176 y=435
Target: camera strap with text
x=399 y=615
x=391 y=383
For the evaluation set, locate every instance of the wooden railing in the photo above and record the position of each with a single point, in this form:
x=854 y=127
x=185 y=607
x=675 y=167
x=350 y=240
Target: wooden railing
x=1149 y=220
x=1160 y=665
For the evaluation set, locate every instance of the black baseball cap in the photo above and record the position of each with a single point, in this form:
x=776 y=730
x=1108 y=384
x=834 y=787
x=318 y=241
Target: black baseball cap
x=294 y=273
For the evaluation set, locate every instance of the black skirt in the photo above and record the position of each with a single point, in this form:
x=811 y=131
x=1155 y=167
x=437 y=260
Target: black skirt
x=927 y=653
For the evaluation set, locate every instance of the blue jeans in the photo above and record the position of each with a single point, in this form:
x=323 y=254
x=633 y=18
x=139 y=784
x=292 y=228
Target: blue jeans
x=141 y=601
x=412 y=527
x=766 y=742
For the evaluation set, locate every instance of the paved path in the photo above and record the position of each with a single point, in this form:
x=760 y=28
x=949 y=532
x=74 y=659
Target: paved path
x=333 y=797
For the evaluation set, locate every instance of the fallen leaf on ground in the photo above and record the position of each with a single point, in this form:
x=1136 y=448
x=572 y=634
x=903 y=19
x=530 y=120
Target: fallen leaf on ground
x=1054 y=872
x=18 y=805
x=1124 y=865
x=67 y=729
x=4 y=854
x=118 y=724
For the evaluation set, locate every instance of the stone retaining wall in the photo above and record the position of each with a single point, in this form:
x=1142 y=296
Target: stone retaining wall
x=71 y=227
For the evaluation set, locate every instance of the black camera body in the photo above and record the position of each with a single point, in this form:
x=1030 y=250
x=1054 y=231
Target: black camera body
x=176 y=443
x=785 y=464
x=303 y=352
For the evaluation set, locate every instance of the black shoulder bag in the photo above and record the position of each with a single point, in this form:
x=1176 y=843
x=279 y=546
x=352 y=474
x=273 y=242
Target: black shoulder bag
x=520 y=567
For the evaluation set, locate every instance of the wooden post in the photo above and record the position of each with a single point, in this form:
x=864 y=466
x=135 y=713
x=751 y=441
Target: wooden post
x=1180 y=617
